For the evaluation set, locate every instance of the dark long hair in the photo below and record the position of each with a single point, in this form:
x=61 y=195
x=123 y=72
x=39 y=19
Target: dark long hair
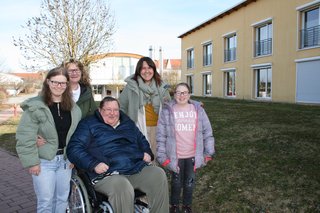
x=156 y=76
x=85 y=78
x=66 y=100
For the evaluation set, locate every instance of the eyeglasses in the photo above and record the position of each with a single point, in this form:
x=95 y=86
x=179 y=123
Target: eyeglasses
x=109 y=110
x=73 y=71
x=182 y=93
x=56 y=83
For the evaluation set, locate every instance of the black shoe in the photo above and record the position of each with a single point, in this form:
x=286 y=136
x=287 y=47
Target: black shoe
x=186 y=209
x=174 y=209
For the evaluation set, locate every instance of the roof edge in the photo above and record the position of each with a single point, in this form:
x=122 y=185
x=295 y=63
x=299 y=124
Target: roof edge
x=218 y=16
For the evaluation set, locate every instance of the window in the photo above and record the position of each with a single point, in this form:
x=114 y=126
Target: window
x=97 y=89
x=230 y=83
x=263 y=41
x=190 y=83
x=207 y=83
x=207 y=54
x=263 y=82
x=190 y=58
x=230 y=48
x=310 y=32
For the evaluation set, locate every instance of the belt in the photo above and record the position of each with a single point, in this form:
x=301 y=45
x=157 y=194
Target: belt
x=60 y=152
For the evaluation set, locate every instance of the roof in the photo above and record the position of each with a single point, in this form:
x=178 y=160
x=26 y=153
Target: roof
x=175 y=64
x=119 y=54
x=219 y=16
x=26 y=75
x=9 y=79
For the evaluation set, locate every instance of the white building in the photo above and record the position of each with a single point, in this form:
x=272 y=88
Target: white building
x=108 y=72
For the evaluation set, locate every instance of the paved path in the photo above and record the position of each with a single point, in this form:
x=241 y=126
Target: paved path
x=6 y=114
x=16 y=189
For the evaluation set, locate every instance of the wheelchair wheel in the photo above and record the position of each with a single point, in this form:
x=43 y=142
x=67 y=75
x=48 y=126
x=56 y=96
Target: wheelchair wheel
x=78 y=197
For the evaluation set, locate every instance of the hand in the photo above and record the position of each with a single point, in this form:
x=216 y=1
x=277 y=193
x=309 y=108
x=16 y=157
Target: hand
x=147 y=157
x=165 y=99
x=101 y=168
x=207 y=159
x=35 y=170
x=71 y=166
x=40 y=141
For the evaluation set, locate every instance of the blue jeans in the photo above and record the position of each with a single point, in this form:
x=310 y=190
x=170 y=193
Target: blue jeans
x=52 y=185
x=185 y=180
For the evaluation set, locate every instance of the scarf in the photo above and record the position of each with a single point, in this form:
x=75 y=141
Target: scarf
x=149 y=94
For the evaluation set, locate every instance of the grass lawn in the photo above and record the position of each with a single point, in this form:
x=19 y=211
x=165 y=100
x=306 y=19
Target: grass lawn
x=7 y=134
x=267 y=157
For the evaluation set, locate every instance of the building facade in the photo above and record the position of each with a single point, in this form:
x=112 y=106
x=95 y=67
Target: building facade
x=109 y=71
x=265 y=50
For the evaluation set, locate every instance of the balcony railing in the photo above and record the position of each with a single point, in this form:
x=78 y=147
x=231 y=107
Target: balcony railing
x=310 y=37
x=263 y=47
x=230 y=54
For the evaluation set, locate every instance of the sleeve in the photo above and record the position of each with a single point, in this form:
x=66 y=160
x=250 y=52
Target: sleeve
x=166 y=95
x=26 y=136
x=93 y=106
x=161 y=138
x=143 y=142
x=77 y=149
x=123 y=100
x=208 y=138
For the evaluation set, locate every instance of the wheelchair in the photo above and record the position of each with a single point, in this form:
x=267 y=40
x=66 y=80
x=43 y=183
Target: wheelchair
x=84 y=199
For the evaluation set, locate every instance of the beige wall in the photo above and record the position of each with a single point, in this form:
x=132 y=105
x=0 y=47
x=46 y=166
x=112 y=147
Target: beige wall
x=285 y=46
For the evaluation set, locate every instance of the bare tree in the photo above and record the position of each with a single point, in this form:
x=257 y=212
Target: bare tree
x=68 y=29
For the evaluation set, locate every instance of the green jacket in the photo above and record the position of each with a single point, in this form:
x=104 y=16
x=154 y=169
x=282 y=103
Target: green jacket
x=129 y=97
x=86 y=101
x=38 y=120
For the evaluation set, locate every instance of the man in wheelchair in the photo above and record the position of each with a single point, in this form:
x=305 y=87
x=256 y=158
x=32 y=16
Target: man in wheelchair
x=116 y=155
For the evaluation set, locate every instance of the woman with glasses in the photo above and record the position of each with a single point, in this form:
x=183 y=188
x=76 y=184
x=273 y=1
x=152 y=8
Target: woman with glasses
x=79 y=81
x=185 y=143
x=142 y=98
x=53 y=115
x=81 y=87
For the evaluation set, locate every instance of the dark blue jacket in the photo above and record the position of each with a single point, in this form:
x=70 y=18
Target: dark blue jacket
x=122 y=148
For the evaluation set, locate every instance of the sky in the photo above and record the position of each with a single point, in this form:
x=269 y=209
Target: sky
x=139 y=25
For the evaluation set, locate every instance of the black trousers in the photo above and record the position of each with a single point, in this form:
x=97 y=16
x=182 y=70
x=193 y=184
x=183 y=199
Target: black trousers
x=184 y=180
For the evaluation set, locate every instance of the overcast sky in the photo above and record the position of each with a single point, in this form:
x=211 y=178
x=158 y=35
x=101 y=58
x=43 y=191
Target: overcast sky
x=139 y=24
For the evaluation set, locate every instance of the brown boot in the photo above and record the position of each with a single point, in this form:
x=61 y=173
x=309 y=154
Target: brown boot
x=186 y=209
x=174 y=209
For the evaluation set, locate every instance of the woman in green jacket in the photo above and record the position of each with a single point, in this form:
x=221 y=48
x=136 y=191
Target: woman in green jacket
x=81 y=87
x=81 y=91
x=55 y=116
